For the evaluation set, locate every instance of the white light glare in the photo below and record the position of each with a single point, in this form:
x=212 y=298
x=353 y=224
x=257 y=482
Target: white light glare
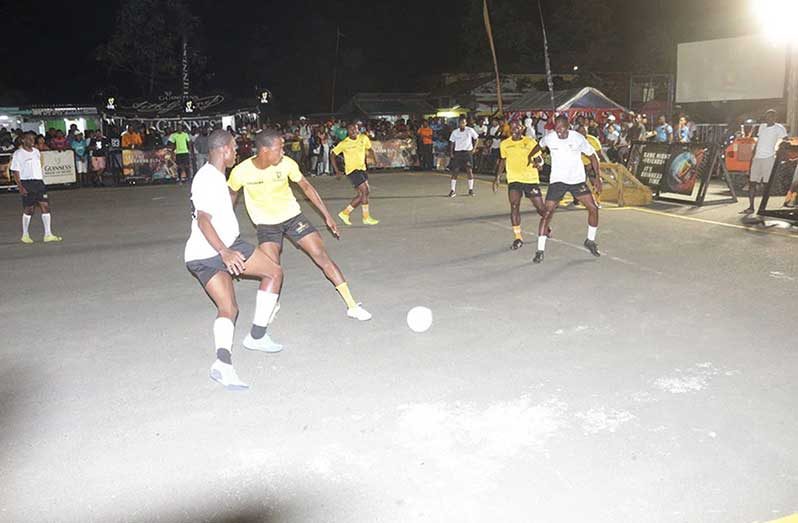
x=777 y=19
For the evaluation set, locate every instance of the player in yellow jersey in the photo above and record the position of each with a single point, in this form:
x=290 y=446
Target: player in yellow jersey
x=355 y=147
x=275 y=211
x=522 y=176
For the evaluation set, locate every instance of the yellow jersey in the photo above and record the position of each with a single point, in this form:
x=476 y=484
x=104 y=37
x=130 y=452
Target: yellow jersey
x=595 y=144
x=354 y=152
x=267 y=195
x=516 y=154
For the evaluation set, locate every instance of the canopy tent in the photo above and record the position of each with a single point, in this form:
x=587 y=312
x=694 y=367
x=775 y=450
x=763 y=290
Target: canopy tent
x=572 y=102
x=374 y=105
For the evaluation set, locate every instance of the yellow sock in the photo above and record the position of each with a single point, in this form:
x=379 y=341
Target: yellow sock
x=517 y=232
x=365 y=210
x=348 y=210
x=343 y=290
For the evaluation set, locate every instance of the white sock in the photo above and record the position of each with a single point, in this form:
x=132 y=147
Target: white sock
x=471 y=184
x=223 y=330
x=542 y=242
x=591 y=233
x=25 y=224
x=454 y=185
x=265 y=302
x=46 y=222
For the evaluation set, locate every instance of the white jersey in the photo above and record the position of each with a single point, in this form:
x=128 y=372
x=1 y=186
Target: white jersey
x=768 y=139
x=566 y=157
x=463 y=140
x=28 y=164
x=209 y=194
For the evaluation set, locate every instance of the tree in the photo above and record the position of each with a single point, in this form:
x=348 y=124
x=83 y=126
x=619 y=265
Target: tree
x=147 y=42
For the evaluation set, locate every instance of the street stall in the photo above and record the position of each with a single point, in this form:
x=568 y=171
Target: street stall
x=588 y=102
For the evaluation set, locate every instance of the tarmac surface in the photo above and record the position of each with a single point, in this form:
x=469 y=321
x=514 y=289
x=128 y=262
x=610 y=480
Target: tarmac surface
x=656 y=383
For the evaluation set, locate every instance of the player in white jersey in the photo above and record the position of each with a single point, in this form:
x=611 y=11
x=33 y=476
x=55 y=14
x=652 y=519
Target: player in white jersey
x=568 y=175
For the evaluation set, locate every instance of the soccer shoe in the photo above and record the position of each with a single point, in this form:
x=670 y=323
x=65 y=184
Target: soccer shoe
x=592 y=247
x=749 y=210
x=26 y=239
x=225 y=375
x=264 y=344
x=370 y=221
x=538 y=257
x=344 y=218
x=517 y=244
x=452 y=194
x=359 y=313
x=52 y=238
x=471 y=192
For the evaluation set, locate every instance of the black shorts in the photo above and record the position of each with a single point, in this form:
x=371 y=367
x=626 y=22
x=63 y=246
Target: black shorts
x=36 y=192
x=461 y=161
x=357 y=178
x=207 y=268
x=296 y=228
x=530 y=190
x=183 y=159
x=558 y=189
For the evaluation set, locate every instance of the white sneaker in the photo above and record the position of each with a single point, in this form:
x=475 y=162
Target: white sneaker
x=226 y=375
x=359 y=313
x=264 y=344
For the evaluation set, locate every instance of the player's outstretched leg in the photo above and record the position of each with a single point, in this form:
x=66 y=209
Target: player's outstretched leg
x=592 y=222
x=540 y=207
x=262 y=266
x=313 y=245
x=543 y=229
x=220 y=289
x=453 y=185
x=515 y=218
x=357 y=200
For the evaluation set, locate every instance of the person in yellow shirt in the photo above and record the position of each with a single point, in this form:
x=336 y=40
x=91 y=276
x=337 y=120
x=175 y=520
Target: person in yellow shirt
x=130 y=138
x=275 y=211
x=591 y=176
x=355 y=147
x=515 y=158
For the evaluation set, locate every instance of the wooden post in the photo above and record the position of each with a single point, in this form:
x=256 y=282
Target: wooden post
x=486 y=17
x=792 y=89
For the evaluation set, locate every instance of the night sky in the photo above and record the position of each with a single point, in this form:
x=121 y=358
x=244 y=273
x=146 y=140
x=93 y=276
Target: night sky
x=289 y=46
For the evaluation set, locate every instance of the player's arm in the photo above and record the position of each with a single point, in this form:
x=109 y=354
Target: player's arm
x=499 y=171
x=334 y=161
x=22 y=190
x=317 y=202
x=233 y=195
x=370 y=158
x=233 y=260
x=594 y=162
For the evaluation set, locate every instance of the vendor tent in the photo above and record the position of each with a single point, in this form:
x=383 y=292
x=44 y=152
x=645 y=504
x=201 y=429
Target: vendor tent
x=587 y=100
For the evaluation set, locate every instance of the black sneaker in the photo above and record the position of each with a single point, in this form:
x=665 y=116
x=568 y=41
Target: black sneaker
x=471 y=192
x=517 y=244
x=452 y=194
x=538 y=257
x=592 y=247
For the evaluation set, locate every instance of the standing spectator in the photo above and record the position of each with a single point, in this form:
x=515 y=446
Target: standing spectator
x=304 y=133
x=612 y=131
x=182 y=147
x=540 y=126
x=495 y=139
x=201 y=147
x=683 y=130
x=461 y=147
x=41 y=143
x=59 y=141
x=425 y=134
x=323 y=137
x=97 y=152
x=593 y=127
x=80 y=147
x=26 y=168
x=663 y=133
x=769 y=135
x=131 y=139
x=637 y=131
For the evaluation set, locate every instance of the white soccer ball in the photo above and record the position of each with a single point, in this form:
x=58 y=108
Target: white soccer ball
x=419 y=319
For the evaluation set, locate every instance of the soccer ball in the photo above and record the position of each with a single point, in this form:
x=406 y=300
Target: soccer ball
x=419 y=319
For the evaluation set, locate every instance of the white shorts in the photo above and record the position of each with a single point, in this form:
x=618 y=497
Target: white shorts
x=81 y=166
x=761 y=169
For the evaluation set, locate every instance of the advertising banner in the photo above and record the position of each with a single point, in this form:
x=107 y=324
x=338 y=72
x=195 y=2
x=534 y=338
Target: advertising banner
x=396 y=153
x=688 y=164
x=5 y=174
x=148 y=165
x=650 y=161
x=58 y=167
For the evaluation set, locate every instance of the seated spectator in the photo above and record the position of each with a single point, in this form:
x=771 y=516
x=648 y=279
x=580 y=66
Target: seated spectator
x=59 y=141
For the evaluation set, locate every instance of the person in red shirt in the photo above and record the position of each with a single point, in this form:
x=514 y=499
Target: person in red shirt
x=425 y=156
x=59 y=142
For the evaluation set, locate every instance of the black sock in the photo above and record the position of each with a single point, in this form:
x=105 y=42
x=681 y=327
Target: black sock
x=224 y=356
x=257 y=331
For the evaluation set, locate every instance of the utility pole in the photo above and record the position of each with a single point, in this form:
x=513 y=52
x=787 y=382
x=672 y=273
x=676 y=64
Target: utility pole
x=792 y=88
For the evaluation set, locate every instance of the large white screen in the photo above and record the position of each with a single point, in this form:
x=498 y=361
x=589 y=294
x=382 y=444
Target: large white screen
x=744 y=68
